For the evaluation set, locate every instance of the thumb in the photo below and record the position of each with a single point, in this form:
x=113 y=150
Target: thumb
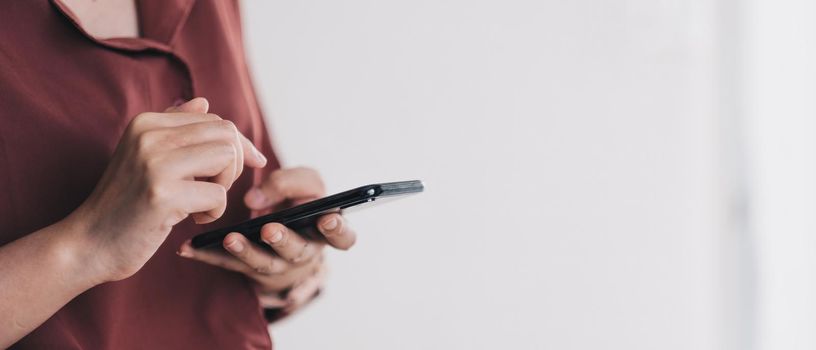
x=196 y=105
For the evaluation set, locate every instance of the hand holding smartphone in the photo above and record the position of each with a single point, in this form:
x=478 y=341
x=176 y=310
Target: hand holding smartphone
x=302 y=218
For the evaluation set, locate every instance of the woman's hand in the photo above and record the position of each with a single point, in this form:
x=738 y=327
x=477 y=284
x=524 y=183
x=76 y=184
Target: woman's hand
x=166 y=167
x=289 y=278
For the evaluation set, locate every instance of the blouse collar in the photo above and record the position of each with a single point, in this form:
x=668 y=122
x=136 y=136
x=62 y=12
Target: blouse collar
x=159 y=24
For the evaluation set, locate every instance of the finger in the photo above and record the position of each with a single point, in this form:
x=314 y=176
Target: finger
x=189 y=134
x=301 y=294
x=306 y=290
x=193 y=133
x=337 y=232
x=201 y=105
x=152 y=121
x=206 y=201
x=213 y=257
x=289 y=245
x=272 y=301
x=238 y=165
x=204 y=132
x=258 y=260
x=254 y=157
x=196 y=105
x=213 y=159
x=283 y=184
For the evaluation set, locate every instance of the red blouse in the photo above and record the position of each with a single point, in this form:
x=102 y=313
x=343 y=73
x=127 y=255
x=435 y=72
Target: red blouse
x=65 y=99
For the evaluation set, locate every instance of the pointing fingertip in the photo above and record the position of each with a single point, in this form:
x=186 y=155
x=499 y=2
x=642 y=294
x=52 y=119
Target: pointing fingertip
x=261 y=158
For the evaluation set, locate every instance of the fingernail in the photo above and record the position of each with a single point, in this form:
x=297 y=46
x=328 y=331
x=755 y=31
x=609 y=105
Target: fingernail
x=235 y=246
x=276 y=237
x=330 y=225
x=256 y=197
x=184 y=254
x=258 y=154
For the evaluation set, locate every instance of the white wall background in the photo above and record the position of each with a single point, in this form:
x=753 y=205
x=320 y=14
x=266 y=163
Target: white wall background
x=780 y=108
x=571 y=154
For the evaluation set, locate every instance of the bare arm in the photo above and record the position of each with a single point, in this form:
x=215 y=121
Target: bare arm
x=41 y=272
x=167 y=166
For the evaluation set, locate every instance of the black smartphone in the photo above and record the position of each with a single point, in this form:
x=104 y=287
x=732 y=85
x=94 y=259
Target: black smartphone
x=302 y=218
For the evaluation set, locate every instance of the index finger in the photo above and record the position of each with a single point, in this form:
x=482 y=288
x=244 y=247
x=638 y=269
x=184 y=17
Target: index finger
x=296 y=184
x=200 y=105
x=289 y=245
x=336 y=231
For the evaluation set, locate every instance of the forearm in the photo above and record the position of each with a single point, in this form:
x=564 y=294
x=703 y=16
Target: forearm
x=39 y=274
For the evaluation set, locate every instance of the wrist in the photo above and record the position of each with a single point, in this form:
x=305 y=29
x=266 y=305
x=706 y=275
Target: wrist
x=76 y=251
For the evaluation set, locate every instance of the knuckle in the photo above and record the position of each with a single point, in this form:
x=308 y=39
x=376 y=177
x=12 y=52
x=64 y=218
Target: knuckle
x=224 y=149
x=145 y=140
x=228 y=125
x=301 y=256
x=265 y=269
x=141 y=119
x=226 y=130
x=158 y=194
x=151 y=166
x=142 y=142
